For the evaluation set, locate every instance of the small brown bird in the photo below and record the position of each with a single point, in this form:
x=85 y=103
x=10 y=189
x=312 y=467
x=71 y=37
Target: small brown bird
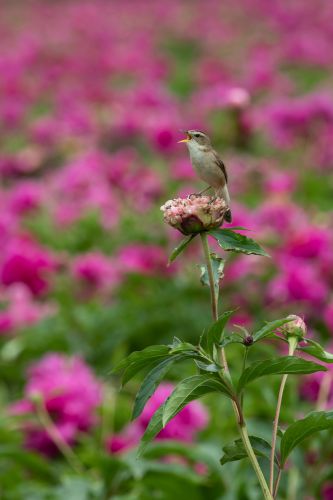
x=208 y=165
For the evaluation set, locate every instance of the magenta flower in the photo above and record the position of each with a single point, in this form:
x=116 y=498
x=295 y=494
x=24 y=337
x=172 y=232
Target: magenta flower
x=96 y=270
x=70 y=393
x=143 y=259
x=24 y=261
x=21 y=309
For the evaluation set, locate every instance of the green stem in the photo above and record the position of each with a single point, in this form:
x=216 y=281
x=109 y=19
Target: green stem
x=236 y=406
x=243 y=368
x=213 y=294
x=56 y=437
x=255 y=463
x=292 y=346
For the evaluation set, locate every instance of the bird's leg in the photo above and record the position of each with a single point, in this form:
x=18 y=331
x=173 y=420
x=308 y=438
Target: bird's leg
x=204 y=190
x=200 y=193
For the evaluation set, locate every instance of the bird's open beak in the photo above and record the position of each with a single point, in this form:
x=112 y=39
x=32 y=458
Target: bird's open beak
x=188 y=138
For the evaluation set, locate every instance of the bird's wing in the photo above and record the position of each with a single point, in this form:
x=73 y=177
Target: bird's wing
x=221 y=165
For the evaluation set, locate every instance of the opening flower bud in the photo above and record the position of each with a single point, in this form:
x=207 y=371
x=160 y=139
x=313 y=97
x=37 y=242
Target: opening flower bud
x=294 y=328
x=194 y=214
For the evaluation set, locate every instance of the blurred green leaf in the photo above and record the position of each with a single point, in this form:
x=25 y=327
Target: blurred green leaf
x=154 y=427
x=151 y=382
x=190 y=389
x=317 y=351
x=236 y=451
x=217 y=266
x=235 y=242
x=212 y=335
x=139 y=360
x=180 y=248
x=276 y=366
x=302 y=429
x=269 y=328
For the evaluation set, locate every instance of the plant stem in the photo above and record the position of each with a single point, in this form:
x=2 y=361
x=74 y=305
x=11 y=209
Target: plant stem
x=213 y=294
x=236 y=405
x=254 y=461
x=56 y=437
x=276 y=487
x=292 y=346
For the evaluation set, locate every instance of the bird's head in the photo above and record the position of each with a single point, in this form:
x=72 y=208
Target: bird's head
x=195 y=138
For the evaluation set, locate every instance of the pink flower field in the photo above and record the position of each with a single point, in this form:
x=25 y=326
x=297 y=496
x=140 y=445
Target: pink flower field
x=94 y=97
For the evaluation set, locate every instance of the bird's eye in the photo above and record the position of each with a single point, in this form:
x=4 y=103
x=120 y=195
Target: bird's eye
x=197 y=135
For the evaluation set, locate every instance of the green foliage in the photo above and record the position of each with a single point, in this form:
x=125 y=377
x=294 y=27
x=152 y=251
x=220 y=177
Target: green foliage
x=217 y=266
x=180 y=248
x=190 y=389
x=277 y=366
x=151 y=382
x=235 y=242
x=302 y=429
x=317 y=351
x=268 y=330
x=236 y=451
x=212 y=336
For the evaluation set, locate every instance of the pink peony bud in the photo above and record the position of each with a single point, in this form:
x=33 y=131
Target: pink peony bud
x=295 y=328
x=194 y=214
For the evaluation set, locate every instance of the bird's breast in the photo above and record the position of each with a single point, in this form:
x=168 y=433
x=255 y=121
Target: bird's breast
x=206 y=168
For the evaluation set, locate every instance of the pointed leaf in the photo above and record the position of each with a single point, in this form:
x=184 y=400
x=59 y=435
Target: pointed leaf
x=317 y=351
x=212 y=335
x=300 y=430
x=192 y=388
x=180 y=248
x=151 y=382
x=269 y=329
x=231 y=339
x=236 y=451
x=208 y=367
x=140 y=360
x=154 y=427
x=236 y=242
x=218 y=266
x=275 y=366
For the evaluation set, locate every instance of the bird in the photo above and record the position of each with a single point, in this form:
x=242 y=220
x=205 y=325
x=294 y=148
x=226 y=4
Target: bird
x=208 y=165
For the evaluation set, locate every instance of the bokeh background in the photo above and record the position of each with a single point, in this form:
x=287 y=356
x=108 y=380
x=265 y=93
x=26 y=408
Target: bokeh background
x=93 y=98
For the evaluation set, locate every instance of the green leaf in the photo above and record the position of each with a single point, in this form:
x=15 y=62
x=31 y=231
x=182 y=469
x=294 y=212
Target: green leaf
x=317 y=351
x=275 y=366
x=154 y=427
x=192 y=388
x=179 y=346
x=212 y=335
x=208 y=367
x=151 y=382
x=140 y=360
x=236 y=242
x=269 y=329
x=180 y=248
x=236 y=451
x=300 y=430
x=234 y=338
x=218 y=266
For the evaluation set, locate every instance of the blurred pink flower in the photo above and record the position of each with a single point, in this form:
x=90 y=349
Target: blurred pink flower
x=21 y=309
x=96 y=270
x=25 y=197
x=144 y=259
x=327 y=491
x=183 y=427
x=24 y=261
x=70 y=393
